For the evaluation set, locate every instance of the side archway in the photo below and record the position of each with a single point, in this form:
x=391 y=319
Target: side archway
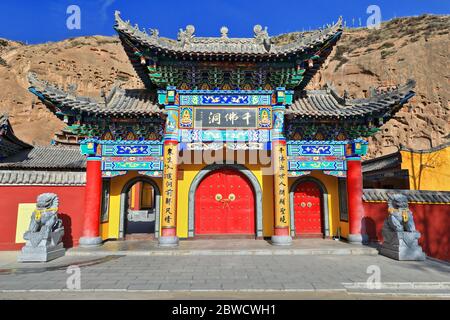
x=324 y=193
x=247 y=173
x=123 y=200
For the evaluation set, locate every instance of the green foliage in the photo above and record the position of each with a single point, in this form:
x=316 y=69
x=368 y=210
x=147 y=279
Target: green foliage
x=386 y=53
x=387 y=45
x=3 y=62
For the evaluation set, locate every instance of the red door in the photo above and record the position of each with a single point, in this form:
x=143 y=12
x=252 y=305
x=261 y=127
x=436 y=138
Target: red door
x=307 y=209
x=224 y=204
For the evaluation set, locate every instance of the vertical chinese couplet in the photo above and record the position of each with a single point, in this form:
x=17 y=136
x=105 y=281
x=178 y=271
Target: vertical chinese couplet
x=281 y=189
x=169 y=186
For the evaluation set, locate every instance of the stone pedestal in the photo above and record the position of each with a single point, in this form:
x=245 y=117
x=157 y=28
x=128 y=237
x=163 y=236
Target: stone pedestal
x=402 y=246
x=46 y=250
x=41 y=254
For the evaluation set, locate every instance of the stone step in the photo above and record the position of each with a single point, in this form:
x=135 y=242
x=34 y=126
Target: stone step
x=351 y=250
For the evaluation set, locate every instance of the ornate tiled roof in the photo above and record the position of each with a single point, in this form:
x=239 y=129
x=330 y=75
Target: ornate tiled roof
x=261 y=45
x=413 y=195
x=9 y=143
x=42 y=178
x=327 y=104
x=119 y=102
x=46 y=157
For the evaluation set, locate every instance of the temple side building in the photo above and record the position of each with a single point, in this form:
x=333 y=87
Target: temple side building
x=426 y=169
x=223 y=141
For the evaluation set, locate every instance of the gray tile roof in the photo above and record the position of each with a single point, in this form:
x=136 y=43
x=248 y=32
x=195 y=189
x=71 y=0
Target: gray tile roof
x=119 y=102
x=3 y=122
x=9 y=143
x=46 y=157
x=42 y=178
x=260 y=46
x=390 y=161
x=413 y=195
x=328 y=104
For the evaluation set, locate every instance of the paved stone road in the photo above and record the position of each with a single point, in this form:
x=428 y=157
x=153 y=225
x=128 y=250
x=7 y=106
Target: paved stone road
x=287 y=273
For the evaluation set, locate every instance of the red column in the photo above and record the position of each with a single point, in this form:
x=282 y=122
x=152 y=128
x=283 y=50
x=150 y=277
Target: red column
x=355 y=203
x=137 y=196
x=93 y=200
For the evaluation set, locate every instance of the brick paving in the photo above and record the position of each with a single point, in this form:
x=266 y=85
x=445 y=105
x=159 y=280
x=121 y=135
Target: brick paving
x=224 y=273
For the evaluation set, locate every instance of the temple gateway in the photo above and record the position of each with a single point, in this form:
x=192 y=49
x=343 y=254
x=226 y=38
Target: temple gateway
x=223 y=141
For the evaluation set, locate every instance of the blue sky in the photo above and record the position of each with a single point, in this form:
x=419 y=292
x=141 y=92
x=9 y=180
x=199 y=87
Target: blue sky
x=37 y=21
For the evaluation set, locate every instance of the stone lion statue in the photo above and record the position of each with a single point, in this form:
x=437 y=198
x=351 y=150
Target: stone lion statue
x=45 y=231
x=399 y=231
x=44 y=220
x=400 y=218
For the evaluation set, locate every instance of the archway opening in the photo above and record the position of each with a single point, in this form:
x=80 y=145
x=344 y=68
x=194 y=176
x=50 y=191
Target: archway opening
x=140 y=210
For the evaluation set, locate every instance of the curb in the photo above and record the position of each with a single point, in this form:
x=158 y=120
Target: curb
x=397 y=286
x=445 y=295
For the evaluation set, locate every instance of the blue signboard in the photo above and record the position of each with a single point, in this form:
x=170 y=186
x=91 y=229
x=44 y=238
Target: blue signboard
x=224 y=135
x=317 y=155
x=225 y=99
x=125 y=163
x=316 y=150
x=154 y=150
x=316 y=165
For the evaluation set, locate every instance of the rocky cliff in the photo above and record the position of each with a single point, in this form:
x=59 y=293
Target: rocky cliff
x=416 y=47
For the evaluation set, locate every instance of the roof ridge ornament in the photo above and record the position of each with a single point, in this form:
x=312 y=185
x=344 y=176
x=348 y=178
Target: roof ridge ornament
x=185 y=36
x=154 y=33
x=262 y=36
x=224 y=32
x=72 y=90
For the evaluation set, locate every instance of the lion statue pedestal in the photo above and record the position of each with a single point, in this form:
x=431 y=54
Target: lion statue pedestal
x=45 y=232
x=399 y=232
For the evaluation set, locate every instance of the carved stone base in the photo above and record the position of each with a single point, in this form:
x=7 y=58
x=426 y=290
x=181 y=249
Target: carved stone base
x=281 y=240
x=166 y=241
x=41 y=253
x=402 y=246
x=88 y=242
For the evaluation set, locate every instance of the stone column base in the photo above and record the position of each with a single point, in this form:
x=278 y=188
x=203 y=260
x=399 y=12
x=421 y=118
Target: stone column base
x=281 y=240
x=168 y=241
x=88 y=242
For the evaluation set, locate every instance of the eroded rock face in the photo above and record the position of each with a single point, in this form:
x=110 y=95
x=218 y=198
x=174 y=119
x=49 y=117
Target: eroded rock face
x=91 y=63
x=417 y=48
x=403 y=48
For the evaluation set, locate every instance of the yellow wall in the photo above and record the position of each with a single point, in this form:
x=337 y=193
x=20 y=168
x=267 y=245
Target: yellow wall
x=331 y=184
x=428 y=171
x=24 y=213
x=187 y=175
x=110 y=229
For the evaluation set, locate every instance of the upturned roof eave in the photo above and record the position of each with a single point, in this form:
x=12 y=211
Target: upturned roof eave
x=379 y=105
x=175 y=47
x=58 y=98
